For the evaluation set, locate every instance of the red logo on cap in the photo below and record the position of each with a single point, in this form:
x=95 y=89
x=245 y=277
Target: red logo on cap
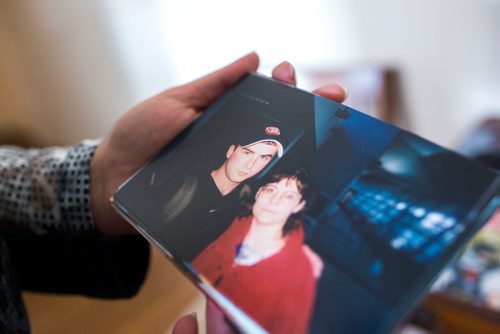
x=272 y=131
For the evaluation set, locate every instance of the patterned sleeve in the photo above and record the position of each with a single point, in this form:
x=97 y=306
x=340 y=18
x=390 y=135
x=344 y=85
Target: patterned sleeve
x=46 y=190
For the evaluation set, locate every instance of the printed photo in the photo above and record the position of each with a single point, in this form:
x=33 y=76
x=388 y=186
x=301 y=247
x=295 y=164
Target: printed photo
x=305 y=214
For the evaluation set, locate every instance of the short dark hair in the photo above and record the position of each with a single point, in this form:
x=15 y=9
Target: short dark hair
x=297 y=172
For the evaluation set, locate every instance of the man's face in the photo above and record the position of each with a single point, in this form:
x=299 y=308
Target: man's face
x=277 y=201
x=244 y=162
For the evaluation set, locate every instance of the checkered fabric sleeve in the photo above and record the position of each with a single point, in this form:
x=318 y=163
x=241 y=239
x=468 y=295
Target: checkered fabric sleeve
x=46 y=190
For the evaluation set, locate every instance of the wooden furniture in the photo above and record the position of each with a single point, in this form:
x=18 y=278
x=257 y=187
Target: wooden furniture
x=441 y=314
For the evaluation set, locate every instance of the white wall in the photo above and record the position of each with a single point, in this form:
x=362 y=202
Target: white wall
x=76 y=66
x=186 y=39
x=62 y=53
x=449 y=55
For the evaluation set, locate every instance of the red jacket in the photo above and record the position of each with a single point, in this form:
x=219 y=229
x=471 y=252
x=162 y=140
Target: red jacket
x=278 y=292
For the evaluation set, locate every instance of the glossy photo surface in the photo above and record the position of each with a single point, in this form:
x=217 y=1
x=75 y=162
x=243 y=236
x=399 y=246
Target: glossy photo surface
x=306 y=215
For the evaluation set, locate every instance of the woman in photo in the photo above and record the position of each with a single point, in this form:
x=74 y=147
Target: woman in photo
x=260 y=263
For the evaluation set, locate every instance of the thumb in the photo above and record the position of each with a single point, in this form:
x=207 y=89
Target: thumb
x=200 y=93
x=186 y=325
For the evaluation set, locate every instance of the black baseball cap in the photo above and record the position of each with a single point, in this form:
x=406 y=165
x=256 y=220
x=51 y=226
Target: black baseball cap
x=261 y=129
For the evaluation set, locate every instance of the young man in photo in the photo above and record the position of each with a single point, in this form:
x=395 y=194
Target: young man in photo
x=197 y=204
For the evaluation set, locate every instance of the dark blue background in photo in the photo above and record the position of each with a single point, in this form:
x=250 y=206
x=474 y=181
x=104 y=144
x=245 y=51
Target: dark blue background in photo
x=390 y=206
x=347 y=144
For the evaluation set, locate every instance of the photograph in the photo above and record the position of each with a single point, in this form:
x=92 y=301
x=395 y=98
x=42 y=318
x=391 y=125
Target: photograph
x=296 y=208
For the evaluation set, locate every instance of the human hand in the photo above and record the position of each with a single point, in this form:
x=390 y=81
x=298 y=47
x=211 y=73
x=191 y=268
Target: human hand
x=143 y=131
x=216 y=322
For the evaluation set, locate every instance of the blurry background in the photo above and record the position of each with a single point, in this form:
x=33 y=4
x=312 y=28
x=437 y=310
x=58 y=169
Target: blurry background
x=69 y=69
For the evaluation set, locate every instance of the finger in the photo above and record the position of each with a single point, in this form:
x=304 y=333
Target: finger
x=333 y=92
x=186 y=325
x=201 y=93
x=285 y=72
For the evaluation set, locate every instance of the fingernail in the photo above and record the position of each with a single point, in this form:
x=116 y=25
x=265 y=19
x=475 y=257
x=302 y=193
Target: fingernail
x=292 y=72
x=192 y=314
x=346 y=93
x=251 y=53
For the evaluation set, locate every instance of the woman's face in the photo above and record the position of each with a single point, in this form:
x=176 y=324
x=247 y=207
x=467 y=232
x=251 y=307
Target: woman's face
x=275 y=202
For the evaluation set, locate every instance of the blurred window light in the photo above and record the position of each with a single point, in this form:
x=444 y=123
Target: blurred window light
x=186 y=39
x=418 y=212
x=398 y=242
x=448 y=222
x=401 y=206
